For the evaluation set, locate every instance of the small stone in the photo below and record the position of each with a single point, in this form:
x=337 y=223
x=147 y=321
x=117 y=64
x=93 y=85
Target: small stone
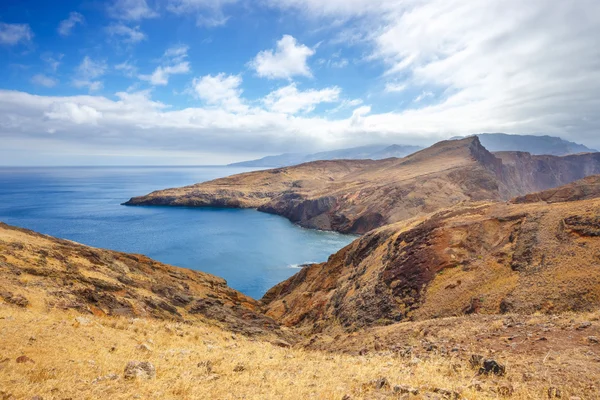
x=491 y=366
x=143 y=347
x=403 y=389
x=137 y=369
x=554 y=393
x=584 y=325
x=24 y=359
x=593 y=339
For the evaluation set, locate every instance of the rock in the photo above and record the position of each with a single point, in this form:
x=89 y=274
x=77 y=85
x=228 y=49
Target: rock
x=554 y=393
x=403 y=389
x=139 y=369
x=491 y=366
x=143 y=347
x=593 y=339
x=584 y=325
x=24 y=359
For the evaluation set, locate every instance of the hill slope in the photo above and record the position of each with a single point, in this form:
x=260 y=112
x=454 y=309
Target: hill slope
x=59 y=274
x=356 y=196
x=78 y=322
x=490 y=258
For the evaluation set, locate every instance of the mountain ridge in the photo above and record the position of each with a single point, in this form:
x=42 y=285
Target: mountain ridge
x=355 y=196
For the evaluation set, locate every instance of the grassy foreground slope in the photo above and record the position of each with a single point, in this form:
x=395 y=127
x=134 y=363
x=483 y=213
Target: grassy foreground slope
x=56 y=343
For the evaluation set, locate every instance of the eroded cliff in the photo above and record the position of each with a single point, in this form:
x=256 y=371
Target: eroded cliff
x=489 y=258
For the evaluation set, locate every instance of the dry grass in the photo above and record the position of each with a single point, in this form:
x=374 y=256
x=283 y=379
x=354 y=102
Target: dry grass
x=205 y=362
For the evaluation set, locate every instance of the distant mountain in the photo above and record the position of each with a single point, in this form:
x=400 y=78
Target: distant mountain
x=535 y=145
x=373 y=152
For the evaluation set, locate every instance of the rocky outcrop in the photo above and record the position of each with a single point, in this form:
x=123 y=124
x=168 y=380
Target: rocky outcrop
x=41 y=271
x=486 y=258
x=356 y=196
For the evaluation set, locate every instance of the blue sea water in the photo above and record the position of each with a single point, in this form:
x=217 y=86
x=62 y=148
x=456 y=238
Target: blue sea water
x=253 y=251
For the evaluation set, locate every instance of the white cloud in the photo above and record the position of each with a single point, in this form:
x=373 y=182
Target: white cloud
x=161 y=75
x=290 y=100
x=394 y=87
x=127 y=68
x=173 y=64
x=424 y=95
x=87 y=73
x=177 y=53
x=66 y=26
x=289 y=59
x=12 y=34
x=43 y=80
x=75 y=113
x=220 y=90
x=497 y=65
x=128 y=34
x=209 y=13
x=132 y=10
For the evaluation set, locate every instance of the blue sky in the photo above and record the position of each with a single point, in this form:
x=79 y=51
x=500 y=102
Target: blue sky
x=213 y=81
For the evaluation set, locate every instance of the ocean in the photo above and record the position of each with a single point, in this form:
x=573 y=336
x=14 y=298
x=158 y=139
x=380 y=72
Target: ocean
x=253 y=251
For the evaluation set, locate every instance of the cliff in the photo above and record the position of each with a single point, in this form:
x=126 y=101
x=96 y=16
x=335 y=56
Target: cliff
x=485 y=258
x=583 y=189
x=355 y=196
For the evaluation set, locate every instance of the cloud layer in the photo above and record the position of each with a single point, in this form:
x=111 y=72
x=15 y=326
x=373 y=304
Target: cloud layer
x=445 y=67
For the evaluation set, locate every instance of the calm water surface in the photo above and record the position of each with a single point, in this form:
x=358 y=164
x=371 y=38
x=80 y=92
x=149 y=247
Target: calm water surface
x=251 y=250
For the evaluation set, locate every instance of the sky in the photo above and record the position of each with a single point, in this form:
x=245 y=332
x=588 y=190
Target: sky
x=198 y=82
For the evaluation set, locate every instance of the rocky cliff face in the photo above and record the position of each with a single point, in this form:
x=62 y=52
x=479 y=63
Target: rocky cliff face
x=583 y=189
x=60 y=274
x=355 y=196
x=479 y=258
